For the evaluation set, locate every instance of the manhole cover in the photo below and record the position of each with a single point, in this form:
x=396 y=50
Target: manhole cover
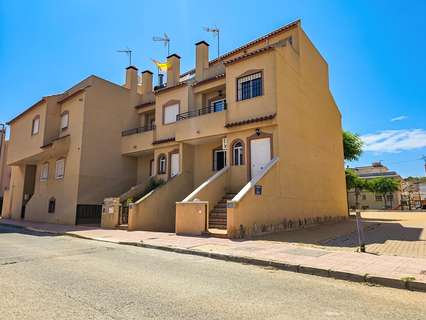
x=305 y=252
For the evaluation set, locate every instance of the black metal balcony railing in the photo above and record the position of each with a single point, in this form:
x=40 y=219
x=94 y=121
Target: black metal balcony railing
x=129 y=132
x=217 y=107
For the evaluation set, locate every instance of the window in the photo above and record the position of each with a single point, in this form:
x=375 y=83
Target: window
x=170 y=113
x=44 y=174
x=52 y=205
x=60 y=169
x=64 y=120
x=36 y=125
x=162 y=164
x=237 y=154
x=389 y=197
x=364 y=197
x=379 y=198
x=218 y=105
x=249 y=86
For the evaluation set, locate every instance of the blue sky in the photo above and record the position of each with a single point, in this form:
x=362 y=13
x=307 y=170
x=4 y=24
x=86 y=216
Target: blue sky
x=375 y=50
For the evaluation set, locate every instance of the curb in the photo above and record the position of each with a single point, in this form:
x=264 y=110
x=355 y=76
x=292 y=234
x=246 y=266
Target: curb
x=407 y=284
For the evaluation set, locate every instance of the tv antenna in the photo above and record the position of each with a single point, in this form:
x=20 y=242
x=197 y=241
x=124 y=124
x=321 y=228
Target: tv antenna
x=128 y=52
x=215 y=31
x=165 y=39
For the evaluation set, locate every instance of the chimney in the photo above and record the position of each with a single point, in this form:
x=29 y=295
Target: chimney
x=146 y=82
x=131 y=78
x=173 y=70
x=201 y=59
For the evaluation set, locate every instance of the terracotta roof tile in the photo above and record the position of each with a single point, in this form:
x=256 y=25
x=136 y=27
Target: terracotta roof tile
x=164 y=140
x=248 y=121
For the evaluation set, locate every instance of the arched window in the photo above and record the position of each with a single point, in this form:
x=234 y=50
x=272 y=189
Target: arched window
x=52 y=205
x=238 y=153
x=162 y=164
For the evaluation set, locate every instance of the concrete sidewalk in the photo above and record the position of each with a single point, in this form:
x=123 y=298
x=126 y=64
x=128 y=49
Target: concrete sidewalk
x=391 y=271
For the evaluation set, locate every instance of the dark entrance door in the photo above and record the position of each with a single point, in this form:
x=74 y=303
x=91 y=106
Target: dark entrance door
x=219 y=159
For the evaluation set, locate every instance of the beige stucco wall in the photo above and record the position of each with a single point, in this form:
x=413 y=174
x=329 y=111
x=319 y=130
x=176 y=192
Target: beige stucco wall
x=64 y=190
x=156 y=211
x=191 y=217
x=104 y=172
x=259 y=106
x=311 y=167
x=181 y=94
x=22 y=143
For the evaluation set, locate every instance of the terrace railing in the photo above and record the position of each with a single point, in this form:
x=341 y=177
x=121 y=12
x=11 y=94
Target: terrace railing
x=129 y=132
x=218 y=107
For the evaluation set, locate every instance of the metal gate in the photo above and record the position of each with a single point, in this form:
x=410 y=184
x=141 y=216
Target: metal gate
x=124 y=214
x=88 y=214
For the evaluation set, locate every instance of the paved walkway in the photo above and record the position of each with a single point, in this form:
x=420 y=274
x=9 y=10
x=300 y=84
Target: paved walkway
x=392 y=233
x=386 y=270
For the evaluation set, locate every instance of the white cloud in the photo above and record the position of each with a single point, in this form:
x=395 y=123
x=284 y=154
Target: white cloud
x=398 y=118
x=394 y=140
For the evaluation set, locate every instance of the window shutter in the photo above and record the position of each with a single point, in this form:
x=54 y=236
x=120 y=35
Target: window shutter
x=170 y=113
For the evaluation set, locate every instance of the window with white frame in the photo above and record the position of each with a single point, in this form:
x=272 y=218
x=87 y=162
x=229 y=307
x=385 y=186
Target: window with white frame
x=237 y=154
x=249 y=86
x=60 y=169
x=36 y=126
x=64 y=120
x=170 y=113
x=162 y=164
x=44 y=173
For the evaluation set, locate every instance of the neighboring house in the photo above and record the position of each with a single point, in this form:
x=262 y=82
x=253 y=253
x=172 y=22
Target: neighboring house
x=4 y=168
x=247 y=143
x=64 y=152
x=371 y=200
x=422 y=194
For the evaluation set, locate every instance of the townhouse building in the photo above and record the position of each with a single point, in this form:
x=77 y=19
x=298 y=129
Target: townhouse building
x=65 y=152
x=371 y=200
x=247 y=143
x=4 y=168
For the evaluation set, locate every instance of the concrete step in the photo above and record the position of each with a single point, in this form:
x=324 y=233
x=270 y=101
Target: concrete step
x=122 y=227
x=217 y=210
x=217 y=233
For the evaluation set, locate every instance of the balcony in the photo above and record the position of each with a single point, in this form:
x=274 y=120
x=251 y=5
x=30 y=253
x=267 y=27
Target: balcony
x=129 y=132
x=216 y=107
x=137 y=140
x=200 y=123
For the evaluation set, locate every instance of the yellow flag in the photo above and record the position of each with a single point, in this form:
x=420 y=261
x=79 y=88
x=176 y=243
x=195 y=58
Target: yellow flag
x=163 y=66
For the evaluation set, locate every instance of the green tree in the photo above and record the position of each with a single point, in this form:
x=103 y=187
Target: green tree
x=354 y=182
x=352 y=146
x=384 y=186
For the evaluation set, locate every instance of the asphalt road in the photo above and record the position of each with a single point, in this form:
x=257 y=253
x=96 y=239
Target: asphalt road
x=59 y=277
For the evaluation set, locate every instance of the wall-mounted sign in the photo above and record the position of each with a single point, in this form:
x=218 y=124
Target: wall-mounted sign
x=225 y=143
x=257 y=190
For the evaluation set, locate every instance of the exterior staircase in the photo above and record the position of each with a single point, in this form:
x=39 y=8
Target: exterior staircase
x=217 y=216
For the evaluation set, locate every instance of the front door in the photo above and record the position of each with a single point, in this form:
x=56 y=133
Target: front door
x=174 y=167
x=219 y=160
x=260 y=154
